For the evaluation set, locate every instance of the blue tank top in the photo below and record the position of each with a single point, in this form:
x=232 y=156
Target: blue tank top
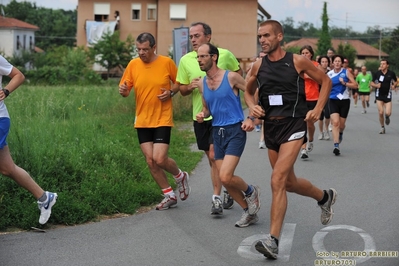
x=224 y=105
x=338 y=91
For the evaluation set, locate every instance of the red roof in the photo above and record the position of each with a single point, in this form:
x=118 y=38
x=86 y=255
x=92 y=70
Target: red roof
x=362 y=49
x=16 y=24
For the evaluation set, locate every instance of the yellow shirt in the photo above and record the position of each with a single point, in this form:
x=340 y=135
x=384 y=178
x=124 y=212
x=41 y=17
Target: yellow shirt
x=147 y=79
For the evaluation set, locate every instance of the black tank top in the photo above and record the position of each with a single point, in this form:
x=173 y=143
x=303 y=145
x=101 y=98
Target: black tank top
x=281 y=78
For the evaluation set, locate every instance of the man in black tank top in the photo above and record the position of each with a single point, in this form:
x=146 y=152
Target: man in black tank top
x=279 y=76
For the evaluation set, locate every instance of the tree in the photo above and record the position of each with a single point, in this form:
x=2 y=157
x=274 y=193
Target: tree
x=111 y=52
x=349 y=52
x=56 y=26
x=324 y=42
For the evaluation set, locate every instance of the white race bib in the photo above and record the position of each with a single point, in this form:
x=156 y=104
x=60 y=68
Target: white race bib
x=275 y=100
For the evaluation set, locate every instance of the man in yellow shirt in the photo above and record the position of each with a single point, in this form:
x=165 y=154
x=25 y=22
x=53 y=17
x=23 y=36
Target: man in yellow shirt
x=151 y=77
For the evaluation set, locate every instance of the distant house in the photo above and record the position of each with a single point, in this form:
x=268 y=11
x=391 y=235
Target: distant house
x=364 y=52
x=16 y=36
x=234 y=23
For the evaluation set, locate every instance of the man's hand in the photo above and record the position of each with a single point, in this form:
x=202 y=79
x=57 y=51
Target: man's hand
x=165 y=95
x=248 y=125
x=124 y=89
x=257 y=111
x=200 y=117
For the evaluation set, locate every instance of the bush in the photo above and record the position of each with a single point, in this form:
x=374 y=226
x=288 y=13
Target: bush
x=79 y=141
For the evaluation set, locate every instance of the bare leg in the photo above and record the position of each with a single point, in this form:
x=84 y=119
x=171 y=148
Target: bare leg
x=19 y=175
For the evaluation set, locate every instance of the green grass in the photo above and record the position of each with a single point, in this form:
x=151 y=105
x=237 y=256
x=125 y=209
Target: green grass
x=80 y=142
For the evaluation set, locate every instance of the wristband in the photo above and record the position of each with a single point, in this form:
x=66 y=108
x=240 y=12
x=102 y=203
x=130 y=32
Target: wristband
x=251 y=117
x=172 y=93
x=6 y=92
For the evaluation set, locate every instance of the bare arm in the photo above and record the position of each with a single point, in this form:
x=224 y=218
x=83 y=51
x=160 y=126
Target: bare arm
x=17 y=78
x=251 y=89
x=205 y=113
x=187 y=89
x=352 y=83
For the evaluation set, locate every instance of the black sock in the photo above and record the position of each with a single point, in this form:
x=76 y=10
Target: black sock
x=275 y=238
x=324 y=199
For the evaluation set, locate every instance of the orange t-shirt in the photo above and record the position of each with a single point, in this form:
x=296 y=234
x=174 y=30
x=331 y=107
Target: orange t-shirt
x=147 y=81
x=311 y=87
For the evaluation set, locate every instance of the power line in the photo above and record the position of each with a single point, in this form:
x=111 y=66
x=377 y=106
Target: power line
x=365 y=22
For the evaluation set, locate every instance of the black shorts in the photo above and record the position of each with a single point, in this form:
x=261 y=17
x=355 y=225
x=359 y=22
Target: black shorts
x=364 y=93
x=325 y=113
x=355 y=91
x=203 y=134
x=156 y=135
x=280 y=131
x=339 y=106
x=384 y=99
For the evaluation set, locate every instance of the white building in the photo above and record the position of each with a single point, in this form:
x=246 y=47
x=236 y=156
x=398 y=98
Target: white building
x=16 y=36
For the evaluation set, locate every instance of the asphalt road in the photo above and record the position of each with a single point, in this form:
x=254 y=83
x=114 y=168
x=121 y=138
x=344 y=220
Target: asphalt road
x=366 y=219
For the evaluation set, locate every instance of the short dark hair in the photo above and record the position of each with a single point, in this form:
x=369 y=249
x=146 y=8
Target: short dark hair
x=213 y=50
x=385 y=61
x=277 y=27
x=337 y=55
x=207 y=28
x=309 y=48
x=324 y=56
x=146 y=36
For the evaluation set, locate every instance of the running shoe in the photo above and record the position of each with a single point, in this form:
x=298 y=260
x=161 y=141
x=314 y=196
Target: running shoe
x=268 y=247
x=247 y=219
x=166 y=203
x=309 y=146
x=184 y=188
x=364 y=111
x=217 y=207
x=336 y=151
x=304 y=154
x=228 y=200
x=45 y=207
x=321 y=135
x=330 y=128
x=382 y=131
x=262 y=145
x=326 y=208
x=387 y=120
x=253 y=201
x=258 y=128
x=326 y=135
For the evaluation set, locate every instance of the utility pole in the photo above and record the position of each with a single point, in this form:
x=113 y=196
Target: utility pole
x=379 y=48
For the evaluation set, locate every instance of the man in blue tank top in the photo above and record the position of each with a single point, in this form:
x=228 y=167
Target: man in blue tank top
x=220 y=91
x=279 y=76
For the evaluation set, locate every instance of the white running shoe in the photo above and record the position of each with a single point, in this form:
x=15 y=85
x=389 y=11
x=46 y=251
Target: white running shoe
x=321 y=135
x=45 y=207
x=326 y=135
x=262 y=145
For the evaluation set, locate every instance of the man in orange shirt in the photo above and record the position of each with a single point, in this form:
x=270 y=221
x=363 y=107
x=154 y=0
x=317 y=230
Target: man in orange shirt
x=151 y=76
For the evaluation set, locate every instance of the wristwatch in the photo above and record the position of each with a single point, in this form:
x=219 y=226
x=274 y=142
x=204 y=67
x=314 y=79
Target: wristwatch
x=172 y=93
x=6 y=92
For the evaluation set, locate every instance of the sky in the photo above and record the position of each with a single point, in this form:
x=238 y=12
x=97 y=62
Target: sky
x=358 y=14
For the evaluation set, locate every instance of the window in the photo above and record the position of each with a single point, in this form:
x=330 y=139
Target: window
x=31 y=43
x=178 y=11
x=18 y=43
x=24 y=43
x=136 y=11
x=151 y=12
x=101 y=11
